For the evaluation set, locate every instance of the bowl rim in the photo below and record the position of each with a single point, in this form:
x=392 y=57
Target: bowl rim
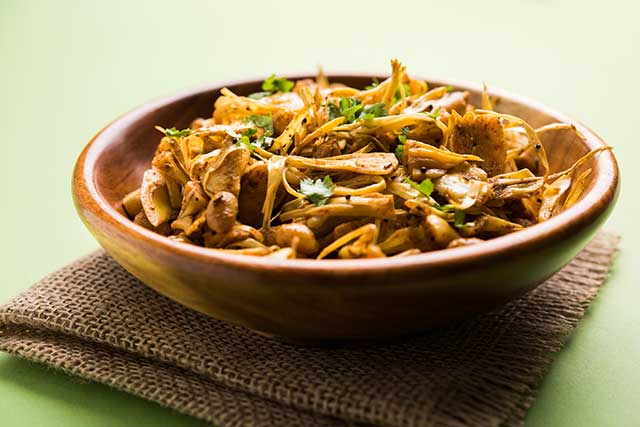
x=586 y=211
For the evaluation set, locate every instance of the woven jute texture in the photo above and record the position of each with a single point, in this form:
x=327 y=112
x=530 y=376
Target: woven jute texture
x=94 y=320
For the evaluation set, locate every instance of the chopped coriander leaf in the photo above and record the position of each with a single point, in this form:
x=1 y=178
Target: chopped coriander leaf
x=425 y=187
x=349 y=107
x=334 y=111
x=259 y=95
x=249 y=132
x=404 y=135
x=445 y=208
x=450 y=88
x=435 y=114
x=263 y=122
x=372 y=111
x=318 y=191
x=272 y=85
x=277 y=84
x=245 y=138
x=246 y=141
x=458 y=218
x=264 y=141
x=175 y=133
x=373 y=84
x=400 y=151
x=352 y=109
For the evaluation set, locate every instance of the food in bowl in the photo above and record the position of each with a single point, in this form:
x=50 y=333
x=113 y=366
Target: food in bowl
x=316 y=169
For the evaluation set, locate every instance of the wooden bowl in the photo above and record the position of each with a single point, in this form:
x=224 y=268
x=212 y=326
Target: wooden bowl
x=310 y=300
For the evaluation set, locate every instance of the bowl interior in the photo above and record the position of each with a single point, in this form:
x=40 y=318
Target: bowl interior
x=119 y=168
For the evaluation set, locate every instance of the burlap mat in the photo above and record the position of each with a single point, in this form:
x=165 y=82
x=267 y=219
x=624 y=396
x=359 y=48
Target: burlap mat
x=94 y=320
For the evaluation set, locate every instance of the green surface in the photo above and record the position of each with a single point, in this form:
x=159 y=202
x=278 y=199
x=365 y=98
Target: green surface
x=69 y=67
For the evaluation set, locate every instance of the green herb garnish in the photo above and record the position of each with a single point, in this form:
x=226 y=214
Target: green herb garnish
x=435 y=114
x=334 y=111
x=318 y=191
x=426 y=187
x=262 y=121
x=445 y=208
x=259 y=95
x=266 y=124
x=403 y=136
x=458 y=218
x=349 y=107
x=175 y=133
x=373 y=84
x=246 y=138
x=449 y=88
x=272 y=85
x=352 y=109
x=372 y=111
x=277 y=84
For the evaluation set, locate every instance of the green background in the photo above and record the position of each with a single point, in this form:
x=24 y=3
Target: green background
x=68 y=67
